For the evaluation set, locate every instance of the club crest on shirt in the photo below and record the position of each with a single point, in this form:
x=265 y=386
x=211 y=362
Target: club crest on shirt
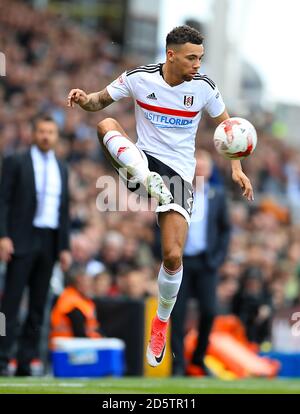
x=188 y=100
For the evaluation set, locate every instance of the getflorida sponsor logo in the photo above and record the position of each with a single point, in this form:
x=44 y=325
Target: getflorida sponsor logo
x=165 y=121
x=163 y=117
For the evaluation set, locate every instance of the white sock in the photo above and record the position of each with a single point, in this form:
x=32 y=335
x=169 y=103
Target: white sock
x=126 y=154
x=168 y=287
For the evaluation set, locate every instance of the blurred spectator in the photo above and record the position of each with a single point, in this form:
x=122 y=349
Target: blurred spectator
x=132 y=283
x=252 y=304
x=112 y=251
x=83 y=252
x=102 y=284
x=226 y=290
x=292 y=172
x=74 y=314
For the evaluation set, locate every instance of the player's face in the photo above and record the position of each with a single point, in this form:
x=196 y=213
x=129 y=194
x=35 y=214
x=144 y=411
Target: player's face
x=187 y=60
x=45 y=135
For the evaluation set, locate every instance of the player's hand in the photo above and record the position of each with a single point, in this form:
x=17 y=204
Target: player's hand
x=6 y=249
x=239 y=177
x=77 y=96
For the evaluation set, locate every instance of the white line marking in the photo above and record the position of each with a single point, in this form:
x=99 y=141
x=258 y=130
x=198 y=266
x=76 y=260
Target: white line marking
x=40 y=385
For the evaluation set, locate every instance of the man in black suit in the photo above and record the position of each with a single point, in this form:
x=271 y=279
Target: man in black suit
x=205 y=250
x=34 y=232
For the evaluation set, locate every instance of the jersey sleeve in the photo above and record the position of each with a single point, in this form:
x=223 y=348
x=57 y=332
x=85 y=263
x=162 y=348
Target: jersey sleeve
x=215 y=105
x=119 y=88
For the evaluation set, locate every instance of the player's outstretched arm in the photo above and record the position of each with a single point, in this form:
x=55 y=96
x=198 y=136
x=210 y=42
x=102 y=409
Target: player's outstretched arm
x=90 y=102
x=237 y=172
x=239 y=177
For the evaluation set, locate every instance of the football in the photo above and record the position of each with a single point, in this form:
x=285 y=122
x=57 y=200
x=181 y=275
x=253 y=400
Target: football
x=235 y=138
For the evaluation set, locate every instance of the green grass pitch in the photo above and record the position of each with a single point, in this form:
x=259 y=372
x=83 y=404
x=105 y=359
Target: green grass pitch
x=126 y=385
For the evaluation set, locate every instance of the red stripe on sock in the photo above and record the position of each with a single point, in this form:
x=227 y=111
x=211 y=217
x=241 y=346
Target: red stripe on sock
x=114 y=136
x=172 y=272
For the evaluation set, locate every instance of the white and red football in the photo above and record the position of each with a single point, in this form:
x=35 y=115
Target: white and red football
x=235 y=138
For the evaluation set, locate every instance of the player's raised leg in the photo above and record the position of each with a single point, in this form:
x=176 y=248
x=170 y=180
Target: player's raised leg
x=122 y=153
x=173 y=234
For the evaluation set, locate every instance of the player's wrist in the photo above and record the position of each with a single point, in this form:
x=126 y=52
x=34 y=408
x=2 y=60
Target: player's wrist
x=91 y=103
x=85 y=104
x=236 y=165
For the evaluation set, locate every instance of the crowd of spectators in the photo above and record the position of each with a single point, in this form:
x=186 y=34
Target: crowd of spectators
x=46 y=56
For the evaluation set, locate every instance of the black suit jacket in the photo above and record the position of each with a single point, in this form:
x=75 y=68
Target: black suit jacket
x=18 y=202
x=218 y=227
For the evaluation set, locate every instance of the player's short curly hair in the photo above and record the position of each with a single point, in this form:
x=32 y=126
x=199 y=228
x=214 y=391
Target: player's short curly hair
x=184 y=34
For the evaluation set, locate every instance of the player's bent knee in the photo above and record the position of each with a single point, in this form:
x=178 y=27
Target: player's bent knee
x=106 y=125
x=172 y=259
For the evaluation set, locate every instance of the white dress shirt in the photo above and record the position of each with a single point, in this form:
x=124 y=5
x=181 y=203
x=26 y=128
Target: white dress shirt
x=48 y=188
x=196 y=242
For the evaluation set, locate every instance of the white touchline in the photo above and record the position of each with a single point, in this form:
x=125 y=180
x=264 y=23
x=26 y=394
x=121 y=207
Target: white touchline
x=28 y=384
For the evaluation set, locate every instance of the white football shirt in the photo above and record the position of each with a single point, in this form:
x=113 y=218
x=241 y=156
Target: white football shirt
x=167 y=117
